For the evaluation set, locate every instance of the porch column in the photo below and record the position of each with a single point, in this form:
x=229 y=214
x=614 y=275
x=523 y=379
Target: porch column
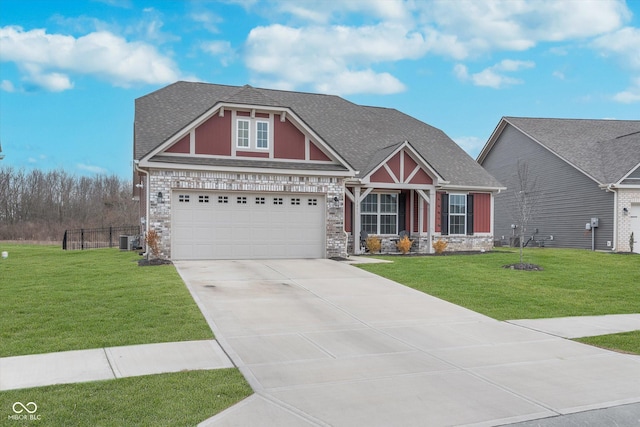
x=356 y=221
x=432 y=217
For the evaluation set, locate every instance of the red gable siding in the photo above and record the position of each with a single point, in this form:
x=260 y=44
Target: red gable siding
x=482 y=213
x=409 y=166
x=182 y=146
x=381 y=175
x=315 y=153
x=420 y=177
x=394 y=164
x=251 y=154
x=214 y=136
x=288 y=141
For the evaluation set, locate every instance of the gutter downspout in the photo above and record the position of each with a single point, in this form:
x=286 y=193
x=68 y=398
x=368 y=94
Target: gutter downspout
x=146 y=194
x=615 y=217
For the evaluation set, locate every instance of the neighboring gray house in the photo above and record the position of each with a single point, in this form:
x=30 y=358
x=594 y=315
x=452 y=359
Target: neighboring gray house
x=583 y=169
x=242 y=172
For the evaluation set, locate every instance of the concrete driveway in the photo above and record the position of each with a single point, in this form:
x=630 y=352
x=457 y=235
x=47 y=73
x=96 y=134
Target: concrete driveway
x=325 y=343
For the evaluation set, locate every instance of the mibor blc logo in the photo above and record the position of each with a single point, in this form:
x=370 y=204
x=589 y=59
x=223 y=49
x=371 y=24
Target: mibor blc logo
x=24 y=412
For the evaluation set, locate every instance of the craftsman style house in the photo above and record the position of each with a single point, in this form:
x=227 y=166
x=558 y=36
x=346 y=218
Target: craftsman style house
x=583 y=169
x=227 y=172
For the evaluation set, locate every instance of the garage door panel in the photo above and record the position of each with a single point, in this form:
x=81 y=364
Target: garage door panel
x=208 y=225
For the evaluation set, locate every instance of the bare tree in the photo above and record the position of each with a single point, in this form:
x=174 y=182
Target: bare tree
x=39 y=205
x=525 y=201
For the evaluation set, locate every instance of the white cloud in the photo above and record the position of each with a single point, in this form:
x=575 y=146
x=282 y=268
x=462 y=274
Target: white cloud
x=91 y=168
x=220 y=48
x=48 y=59
x=471 y=144
x=208 y=20
x=478 y=26
x=493 y=76
x=365 y=81
x=7 y=86
x=319 y=55
x=624 y=46
x=317 y=49
x=631 y=94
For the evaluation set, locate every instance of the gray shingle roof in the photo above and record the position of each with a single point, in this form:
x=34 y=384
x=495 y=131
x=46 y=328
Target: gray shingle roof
x=360 y=134
x=604 y=149
x=248 y=163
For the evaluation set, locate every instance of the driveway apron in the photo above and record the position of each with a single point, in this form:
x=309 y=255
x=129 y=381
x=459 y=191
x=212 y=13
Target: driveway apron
x=325 y=343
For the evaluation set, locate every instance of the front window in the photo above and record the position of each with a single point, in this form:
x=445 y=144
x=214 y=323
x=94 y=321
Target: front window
x=379 y=214
x=243 y=134
x=262 y=134
x=457 y=213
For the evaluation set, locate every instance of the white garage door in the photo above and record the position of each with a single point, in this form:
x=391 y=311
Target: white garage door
x=208 y=225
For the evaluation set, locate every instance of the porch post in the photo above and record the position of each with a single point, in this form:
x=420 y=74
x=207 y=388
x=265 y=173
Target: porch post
x=356 y=220
x=432 y=217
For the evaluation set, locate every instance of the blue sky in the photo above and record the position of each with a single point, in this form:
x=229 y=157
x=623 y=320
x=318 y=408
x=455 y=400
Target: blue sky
x=70 y=70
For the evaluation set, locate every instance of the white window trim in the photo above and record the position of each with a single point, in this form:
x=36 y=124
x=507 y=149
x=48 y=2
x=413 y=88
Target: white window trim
x=268 y=135
x=252 y=134
x=464 y=215
x=238 y=121
x=378 y=214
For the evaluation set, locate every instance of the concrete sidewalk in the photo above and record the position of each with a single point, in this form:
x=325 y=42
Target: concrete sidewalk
x=108 y=363
x=324 y=343
x=583 y=326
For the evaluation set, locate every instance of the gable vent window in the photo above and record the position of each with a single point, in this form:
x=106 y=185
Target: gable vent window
x=223 y=199
x=183 y=198
x=259 y=200
x=277 y=200
x=312 y=202
x=241 y=200
x=295 y=201
x=203 y=199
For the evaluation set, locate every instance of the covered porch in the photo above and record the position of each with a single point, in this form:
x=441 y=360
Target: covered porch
x=389 y=211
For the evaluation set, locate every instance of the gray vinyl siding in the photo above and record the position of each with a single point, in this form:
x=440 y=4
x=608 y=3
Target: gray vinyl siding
x=568 y=198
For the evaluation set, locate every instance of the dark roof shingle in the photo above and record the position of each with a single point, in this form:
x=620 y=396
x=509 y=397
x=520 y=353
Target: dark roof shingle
x=604 y=149
x=359 y=134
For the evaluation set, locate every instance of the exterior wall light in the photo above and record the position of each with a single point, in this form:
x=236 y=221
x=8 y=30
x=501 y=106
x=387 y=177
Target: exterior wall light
x=159 y=196
x=625 y=211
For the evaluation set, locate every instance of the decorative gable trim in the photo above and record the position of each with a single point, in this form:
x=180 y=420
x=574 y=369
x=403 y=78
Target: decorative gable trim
x=632 y=176
x=316 y=150
x=403 y=167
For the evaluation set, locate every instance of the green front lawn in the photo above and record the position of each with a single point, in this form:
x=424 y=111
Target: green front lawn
x=573 y=283
x=179 y=399
x=628 y=342
x=55 y=300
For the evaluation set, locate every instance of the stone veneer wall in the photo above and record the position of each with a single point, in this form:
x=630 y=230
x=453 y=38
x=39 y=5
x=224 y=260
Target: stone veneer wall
x=166 y=180
x=422 y=244
x=626 y=197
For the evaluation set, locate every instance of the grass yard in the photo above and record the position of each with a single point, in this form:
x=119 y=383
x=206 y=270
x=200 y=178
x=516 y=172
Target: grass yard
x=55 y=300
x=573 y=283
x=628 y=342
x=179 y=399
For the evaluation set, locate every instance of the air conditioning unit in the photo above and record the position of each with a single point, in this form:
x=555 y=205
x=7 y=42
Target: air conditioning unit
x=128 y=243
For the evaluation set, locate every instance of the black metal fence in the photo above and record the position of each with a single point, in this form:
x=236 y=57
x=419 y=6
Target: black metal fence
x=93 y=238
